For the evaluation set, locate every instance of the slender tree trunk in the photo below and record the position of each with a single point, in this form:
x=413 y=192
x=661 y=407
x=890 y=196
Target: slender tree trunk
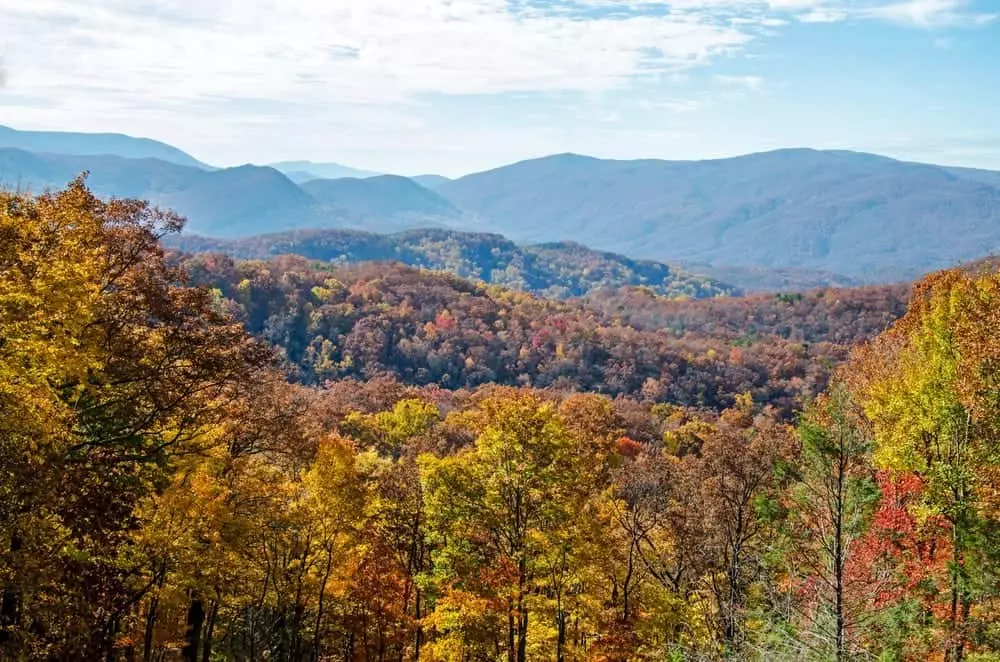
x=626 y=588
x=192 y=638
x=420 y=628
x=734 y=580
x=213 y=614
x=561 y=637
x=838 y=560
x=147 y=641
x=110 y=651
x=522 y=633
x=511 y=651
x=522 y=609
x=317 y=634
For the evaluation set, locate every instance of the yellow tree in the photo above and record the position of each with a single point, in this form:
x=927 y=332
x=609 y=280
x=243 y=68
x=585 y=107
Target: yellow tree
x=496 y=508
x=112 y=368
x=930 y=388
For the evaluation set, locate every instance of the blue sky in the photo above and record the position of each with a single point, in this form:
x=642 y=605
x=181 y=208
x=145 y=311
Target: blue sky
x=454 y=86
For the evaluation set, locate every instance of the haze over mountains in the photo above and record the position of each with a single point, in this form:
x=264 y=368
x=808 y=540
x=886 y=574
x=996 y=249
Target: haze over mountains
x=303 y=171
x=860 y=216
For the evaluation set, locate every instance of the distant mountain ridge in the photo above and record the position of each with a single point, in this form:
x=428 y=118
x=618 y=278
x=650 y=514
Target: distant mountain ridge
x=788 y=218
x=240 y=201
x=864 y=216
x=383 y=196
x=559 y=270
x=303 y=171
x=95 y=144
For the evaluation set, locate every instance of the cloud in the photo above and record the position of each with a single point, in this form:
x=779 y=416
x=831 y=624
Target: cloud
x=823 y=16
x=351 y=50
x=746 y=82
x=930 y=13
x=294 y=76
x=672 y=105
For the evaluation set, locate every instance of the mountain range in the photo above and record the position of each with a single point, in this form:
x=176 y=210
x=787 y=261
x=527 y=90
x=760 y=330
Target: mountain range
x=856 y=217
x=91 y=144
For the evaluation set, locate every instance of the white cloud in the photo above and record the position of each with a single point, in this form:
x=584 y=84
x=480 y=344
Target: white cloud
x=747 y=82
x=823 y=16
x=928 y=13
x=231 y=76
x=348 y=50
x=672 y=105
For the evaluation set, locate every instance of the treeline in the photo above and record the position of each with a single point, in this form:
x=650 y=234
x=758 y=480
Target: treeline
x=165 y=494
x=558 y=270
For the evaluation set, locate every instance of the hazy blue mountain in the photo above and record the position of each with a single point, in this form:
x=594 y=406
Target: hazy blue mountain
x=386 y=198
x=115 y=144
x=303 y=171
x=559 y=270
x=762 y=220
x=431 y=181
x=227 y=202
x=860 y=215
x=241 y=201
x=770 y=279
x=989 y=177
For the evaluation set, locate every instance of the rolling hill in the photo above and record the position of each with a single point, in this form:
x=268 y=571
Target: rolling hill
x=860 y=215
x=91 y=144
x=560 y=270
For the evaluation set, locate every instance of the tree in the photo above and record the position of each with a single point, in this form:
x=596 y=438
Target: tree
x=739 y=483
x=929 y=387
x=830 y=506
x=497 y=508
x=118 y=368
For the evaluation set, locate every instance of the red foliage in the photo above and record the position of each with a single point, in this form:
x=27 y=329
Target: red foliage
x=901 y=554
x=628 y=447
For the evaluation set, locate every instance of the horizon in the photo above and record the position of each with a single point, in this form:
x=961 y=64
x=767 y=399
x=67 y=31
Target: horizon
x=273 y=164
x=455 y=87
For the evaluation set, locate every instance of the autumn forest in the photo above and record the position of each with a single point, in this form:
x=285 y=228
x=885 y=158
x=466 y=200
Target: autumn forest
x=206 y=459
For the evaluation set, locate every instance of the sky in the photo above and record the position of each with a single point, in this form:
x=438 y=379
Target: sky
x=456 y=86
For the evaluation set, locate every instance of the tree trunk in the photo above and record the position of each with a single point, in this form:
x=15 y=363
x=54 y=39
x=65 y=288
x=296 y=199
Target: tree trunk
x=192 y=638
x=317 y=634
x=561 y=638
x=10 y=601
x=420 y=628
x=511 y=652
x=206 y=654
x=147 y=645
x=838 y=560
x=522 y=633
x=522 y=609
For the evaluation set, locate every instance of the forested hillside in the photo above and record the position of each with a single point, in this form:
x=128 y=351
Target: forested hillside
x=839 y=315
x=334 y=322
x=430 y=486
x=553 y=270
